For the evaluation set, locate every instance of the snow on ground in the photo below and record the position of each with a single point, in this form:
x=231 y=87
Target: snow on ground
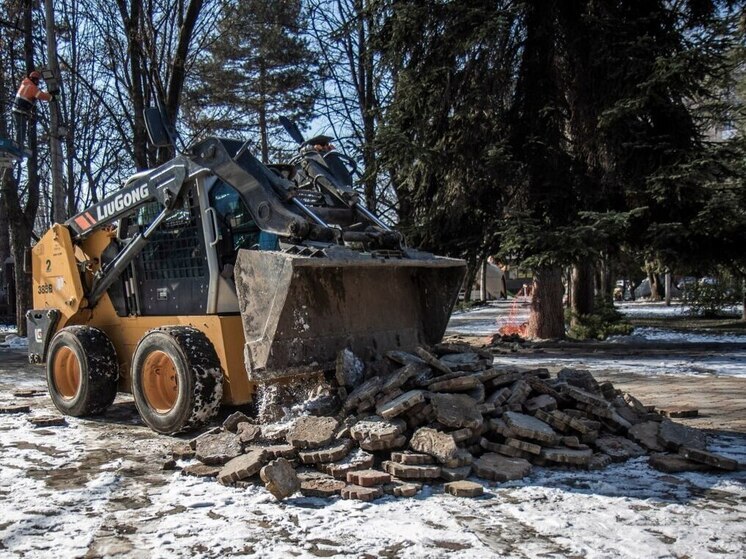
x=94 y=488
x=15 y=342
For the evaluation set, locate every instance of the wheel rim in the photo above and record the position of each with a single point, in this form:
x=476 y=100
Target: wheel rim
x=66 y=372
x=159 y=382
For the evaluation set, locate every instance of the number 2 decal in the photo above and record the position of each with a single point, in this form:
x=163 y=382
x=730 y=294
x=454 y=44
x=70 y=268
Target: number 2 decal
x=48 y=266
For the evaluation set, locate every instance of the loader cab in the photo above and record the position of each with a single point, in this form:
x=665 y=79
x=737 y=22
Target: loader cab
x=187 y=266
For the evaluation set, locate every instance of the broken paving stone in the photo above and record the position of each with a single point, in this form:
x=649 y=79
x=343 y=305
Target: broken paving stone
x=274 y=432
x=248 y=433
x=499 y=426
x=458 y=384
x=218 y=448
x=709 y=458
x=504 y=379
x=364 y=393
x=200 y=470
x=312 y=432
x=280 y=479
x=356 y=460
x=332 y=453
x=243 y=467
x=478 y=394
x=519 y=391
x=646 y=435
x=463 y=434
x=47 y=421
x=458 y=361
x=376 y=445
x=401 y=489
x=233 y=420
x=579 y=378
x=498 y=397
x=584 y=397
x=361 y=493
x=524 y=446
x=368 y=478
x=182 y=451
x=463 y=458
x=540 y=402
x=567 y=456
x=456 y=411
x=29 y=393
x=350 y=369
x=599 y=461
x=464 y=489
x=455 y=474
x=529 y=427
x=404 y=358
x=437 y=444
x=674 y=463
x=679 y=411
x=404 y=471
x=374 y=428
x=487 y=409
x=411 y=458
x=607 y=389
x=674 y=435
x=15 y=408
x=431 y=360
x=571 y=442
x=619 y=448
x=322 y=487
x=496 y=467
x=277 y=450
x=638 y=406
x=401 y=404
x=399 y=377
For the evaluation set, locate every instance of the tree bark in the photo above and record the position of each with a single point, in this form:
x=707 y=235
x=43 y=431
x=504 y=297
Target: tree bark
x=131 y=18
x=546 y=320
x=582 y=292
x=653 y=282
x=472 y=268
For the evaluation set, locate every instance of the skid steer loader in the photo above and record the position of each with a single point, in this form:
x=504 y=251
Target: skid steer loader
x=213 y=272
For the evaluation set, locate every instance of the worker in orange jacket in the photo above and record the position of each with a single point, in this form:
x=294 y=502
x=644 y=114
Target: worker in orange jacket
x=25 y=100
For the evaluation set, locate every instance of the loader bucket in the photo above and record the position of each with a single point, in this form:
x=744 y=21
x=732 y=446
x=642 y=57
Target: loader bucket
x=298 y=312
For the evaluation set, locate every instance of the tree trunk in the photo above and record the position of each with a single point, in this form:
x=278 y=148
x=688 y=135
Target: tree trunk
x=668 y=289
x=483 y=281
x=547 y=318
x=472 y=268
x=59 y=194
x=131 y=19
x=581 y=293
x=653 y=282
x=263 y=133
x=743 y=298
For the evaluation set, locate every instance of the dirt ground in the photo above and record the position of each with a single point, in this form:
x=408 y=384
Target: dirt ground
x=95 y=488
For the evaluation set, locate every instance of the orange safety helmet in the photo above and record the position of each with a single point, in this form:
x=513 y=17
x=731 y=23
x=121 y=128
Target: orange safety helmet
x=34 y=76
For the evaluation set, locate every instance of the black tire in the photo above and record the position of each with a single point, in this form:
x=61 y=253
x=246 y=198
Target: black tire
x=82 y=371
x=177 y=381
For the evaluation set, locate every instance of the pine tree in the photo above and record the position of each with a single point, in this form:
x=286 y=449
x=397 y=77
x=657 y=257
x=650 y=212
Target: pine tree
x=258 y=68
x=445 y=137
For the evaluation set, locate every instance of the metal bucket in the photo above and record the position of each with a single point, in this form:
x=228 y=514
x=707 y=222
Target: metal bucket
x=298 y=312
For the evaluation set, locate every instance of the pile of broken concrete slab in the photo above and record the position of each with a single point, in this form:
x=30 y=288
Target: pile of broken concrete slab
x=442 y=415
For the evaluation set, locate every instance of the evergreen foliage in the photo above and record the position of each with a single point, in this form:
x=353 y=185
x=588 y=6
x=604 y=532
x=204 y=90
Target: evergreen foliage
x=258 y=68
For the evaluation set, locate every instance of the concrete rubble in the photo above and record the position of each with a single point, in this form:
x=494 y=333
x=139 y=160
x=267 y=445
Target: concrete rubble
x=438 y=416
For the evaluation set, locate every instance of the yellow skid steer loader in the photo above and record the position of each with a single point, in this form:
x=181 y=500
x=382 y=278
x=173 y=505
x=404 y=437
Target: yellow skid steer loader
x=213 y=272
